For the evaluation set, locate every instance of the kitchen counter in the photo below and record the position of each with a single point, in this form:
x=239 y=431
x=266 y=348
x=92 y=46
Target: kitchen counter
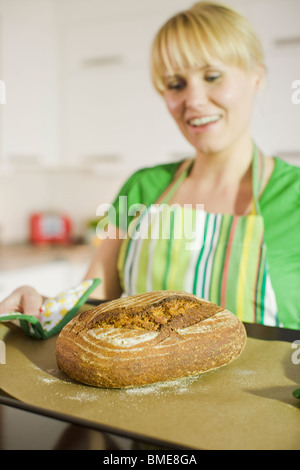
x=26 y=254
x=48 y=268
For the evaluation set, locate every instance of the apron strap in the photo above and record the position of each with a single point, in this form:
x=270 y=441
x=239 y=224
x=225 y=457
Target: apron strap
x=258 y=170
x=177 y=183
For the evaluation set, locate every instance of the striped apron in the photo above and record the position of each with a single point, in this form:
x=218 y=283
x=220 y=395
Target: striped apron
x=218 y=257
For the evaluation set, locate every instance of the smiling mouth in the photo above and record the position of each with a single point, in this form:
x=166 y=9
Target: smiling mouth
x=198 y=122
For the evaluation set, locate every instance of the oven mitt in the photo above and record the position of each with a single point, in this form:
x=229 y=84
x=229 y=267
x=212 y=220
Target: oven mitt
x=296 y=393
x=56 y=312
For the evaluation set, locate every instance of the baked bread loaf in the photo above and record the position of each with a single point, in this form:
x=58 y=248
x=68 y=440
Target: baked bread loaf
x=147 y=338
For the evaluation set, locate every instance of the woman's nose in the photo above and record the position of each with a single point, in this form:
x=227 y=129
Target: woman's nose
x=196 y=94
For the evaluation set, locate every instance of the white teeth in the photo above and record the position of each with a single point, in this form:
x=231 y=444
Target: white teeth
x=204 y=120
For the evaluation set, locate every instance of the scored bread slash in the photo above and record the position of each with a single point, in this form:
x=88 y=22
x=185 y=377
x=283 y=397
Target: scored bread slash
x=148 y=338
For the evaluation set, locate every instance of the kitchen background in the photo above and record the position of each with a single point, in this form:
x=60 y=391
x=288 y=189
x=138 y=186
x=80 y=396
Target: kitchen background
x=81 y=114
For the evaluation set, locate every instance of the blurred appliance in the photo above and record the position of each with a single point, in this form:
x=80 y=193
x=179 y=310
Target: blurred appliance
x=50 y=228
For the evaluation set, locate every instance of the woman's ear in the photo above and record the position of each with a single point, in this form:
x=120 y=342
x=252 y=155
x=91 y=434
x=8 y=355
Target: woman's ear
x=260 y=76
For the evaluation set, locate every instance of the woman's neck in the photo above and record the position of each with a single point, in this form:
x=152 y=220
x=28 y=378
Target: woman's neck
x=229 y=167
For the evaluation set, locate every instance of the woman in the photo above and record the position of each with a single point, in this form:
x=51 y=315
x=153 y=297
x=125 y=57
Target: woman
x=239 y=249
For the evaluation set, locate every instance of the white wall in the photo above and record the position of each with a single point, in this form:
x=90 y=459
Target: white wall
x=66 y=109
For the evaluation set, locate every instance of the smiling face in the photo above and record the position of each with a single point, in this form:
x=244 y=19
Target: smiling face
x=207 y=63
x=212 y=104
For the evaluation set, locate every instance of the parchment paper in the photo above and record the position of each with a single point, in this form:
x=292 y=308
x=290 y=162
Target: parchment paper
x=247 y=404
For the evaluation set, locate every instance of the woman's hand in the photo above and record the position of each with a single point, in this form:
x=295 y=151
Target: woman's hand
x=24 y=299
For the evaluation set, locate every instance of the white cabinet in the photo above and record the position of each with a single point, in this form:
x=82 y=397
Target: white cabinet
x=277 y=118
x=29 y=69
x=110 y=110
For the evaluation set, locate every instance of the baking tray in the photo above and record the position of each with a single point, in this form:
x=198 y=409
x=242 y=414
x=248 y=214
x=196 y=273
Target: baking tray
x=247 y=404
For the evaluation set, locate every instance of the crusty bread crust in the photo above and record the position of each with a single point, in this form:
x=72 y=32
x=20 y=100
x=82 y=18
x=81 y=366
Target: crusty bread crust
x=148 y=338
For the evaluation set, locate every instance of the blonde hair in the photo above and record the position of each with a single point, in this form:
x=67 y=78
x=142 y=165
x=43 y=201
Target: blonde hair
x=206 y=30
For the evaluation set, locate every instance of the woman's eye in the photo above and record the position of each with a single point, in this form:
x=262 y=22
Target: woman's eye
x=212 y=78
x=176 y=85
